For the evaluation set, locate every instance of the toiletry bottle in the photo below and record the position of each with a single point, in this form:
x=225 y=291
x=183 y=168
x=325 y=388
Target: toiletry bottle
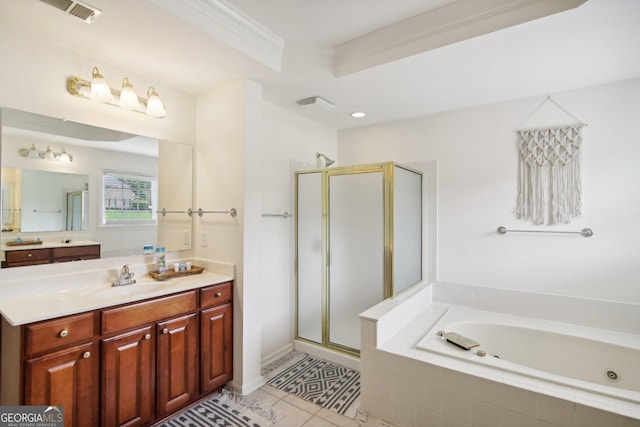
x=161 y=262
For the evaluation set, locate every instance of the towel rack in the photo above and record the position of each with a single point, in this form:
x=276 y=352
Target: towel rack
x=284 y=214
x=164 y=212
x=585 y=232
x=47 y=211
x=233 y=212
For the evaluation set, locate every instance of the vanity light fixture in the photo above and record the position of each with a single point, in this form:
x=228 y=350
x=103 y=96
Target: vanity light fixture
x=64 y=156
x=48 y=154
x=32 y=153
x=154 y=104
x=99 y=90
x=128 y=98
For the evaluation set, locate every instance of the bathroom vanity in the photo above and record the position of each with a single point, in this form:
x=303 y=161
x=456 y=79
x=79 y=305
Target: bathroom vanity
x=47 y=253
x=148 y=351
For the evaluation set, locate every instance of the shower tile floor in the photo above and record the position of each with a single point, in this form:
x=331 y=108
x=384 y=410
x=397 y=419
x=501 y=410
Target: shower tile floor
x=298 y=412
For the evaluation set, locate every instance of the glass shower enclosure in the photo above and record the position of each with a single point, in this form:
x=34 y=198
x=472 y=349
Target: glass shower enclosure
x=358 y=241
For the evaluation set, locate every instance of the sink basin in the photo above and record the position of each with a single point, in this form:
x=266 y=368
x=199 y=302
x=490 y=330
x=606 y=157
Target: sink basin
x=137 y=289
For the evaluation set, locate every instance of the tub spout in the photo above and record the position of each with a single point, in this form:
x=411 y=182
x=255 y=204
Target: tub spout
x=458 y=340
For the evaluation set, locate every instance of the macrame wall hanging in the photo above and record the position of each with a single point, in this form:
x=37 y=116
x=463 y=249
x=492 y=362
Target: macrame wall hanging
x=550 y=173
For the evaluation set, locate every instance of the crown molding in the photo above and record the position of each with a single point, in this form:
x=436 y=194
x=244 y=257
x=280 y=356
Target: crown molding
x=309 y=56
x=231 y=26
x=448 y=24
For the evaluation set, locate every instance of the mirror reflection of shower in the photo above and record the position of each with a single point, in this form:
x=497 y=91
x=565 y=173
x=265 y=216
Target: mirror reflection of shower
x=324 y=161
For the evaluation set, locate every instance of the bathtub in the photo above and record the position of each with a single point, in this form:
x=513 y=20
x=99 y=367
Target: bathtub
x=606 y=363
x=533 y=371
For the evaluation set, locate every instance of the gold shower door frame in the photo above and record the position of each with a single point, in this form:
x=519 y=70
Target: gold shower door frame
x=387 y=170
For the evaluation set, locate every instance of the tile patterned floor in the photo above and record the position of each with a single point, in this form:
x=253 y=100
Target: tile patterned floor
x=298 y=412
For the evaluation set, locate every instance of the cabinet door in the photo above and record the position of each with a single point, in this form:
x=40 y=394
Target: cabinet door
x=128 y=378
x=216 y=342
x=177 y=374
x=67 y=378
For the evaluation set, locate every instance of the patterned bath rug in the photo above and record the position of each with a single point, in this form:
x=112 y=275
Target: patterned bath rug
x=226 y=409
x=318 y=381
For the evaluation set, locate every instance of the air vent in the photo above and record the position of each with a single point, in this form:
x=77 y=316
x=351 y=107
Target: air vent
x=75 y=8
x=315 y=101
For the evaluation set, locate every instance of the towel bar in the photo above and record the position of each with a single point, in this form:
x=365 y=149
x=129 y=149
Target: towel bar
x=585 y=232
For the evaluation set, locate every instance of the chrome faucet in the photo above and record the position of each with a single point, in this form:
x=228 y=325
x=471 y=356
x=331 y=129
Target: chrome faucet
x=126 y=277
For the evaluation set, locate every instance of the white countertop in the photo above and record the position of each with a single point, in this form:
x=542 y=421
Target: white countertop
x=48 y=302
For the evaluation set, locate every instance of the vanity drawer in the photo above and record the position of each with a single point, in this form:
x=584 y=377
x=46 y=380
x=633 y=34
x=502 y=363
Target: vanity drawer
x=28 y=256
x=75 y=253
x=216 y=294
x=136 y=314
x=56 y=333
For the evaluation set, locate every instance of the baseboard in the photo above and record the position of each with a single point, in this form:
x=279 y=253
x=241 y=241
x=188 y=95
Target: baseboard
x=328 y=354
x=249 y=387
x=277 y=354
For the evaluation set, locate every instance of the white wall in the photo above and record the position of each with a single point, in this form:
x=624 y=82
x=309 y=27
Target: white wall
x=288 y=139
x=227 y=153
x=33 y=78
x=477 y=161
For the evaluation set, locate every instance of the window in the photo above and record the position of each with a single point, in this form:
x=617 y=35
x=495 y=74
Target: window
x=128 y=198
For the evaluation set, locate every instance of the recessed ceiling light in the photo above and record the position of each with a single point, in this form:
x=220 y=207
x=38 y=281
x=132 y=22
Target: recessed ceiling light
x=358 y=114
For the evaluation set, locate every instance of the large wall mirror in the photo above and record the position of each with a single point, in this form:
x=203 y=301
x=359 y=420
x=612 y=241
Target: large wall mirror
x=65 y=181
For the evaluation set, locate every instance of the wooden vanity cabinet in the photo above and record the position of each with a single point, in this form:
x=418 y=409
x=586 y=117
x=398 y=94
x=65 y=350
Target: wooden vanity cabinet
x=22 y=257
x=128 y=366
x=151 y=371
x=177 y=363
x=216 y=337
x=67 y=378
x=61 y=367
x=132 y=364
x=35 y=256
x=75 y=253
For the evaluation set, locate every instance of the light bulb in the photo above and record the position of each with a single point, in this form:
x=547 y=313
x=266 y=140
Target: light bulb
x=154 y=104
x=100 y=90
x=48 y=154
x=64 y=156
x=33 y=152
x=128 y=98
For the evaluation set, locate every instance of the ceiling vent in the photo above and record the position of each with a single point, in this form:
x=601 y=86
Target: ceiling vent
x=315 y=101
x=75 y=8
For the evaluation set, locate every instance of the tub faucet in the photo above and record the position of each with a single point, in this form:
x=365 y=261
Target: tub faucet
x=126 y=277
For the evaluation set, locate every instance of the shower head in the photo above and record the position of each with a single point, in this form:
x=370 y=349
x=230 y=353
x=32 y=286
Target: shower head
x=327 y=161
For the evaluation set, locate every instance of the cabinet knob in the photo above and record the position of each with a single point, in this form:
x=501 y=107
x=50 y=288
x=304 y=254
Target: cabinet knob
x=63 y=333
x=165 y=331
x=29 y=255
x=218 y=294
x=147 y=337
x=86 y=355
